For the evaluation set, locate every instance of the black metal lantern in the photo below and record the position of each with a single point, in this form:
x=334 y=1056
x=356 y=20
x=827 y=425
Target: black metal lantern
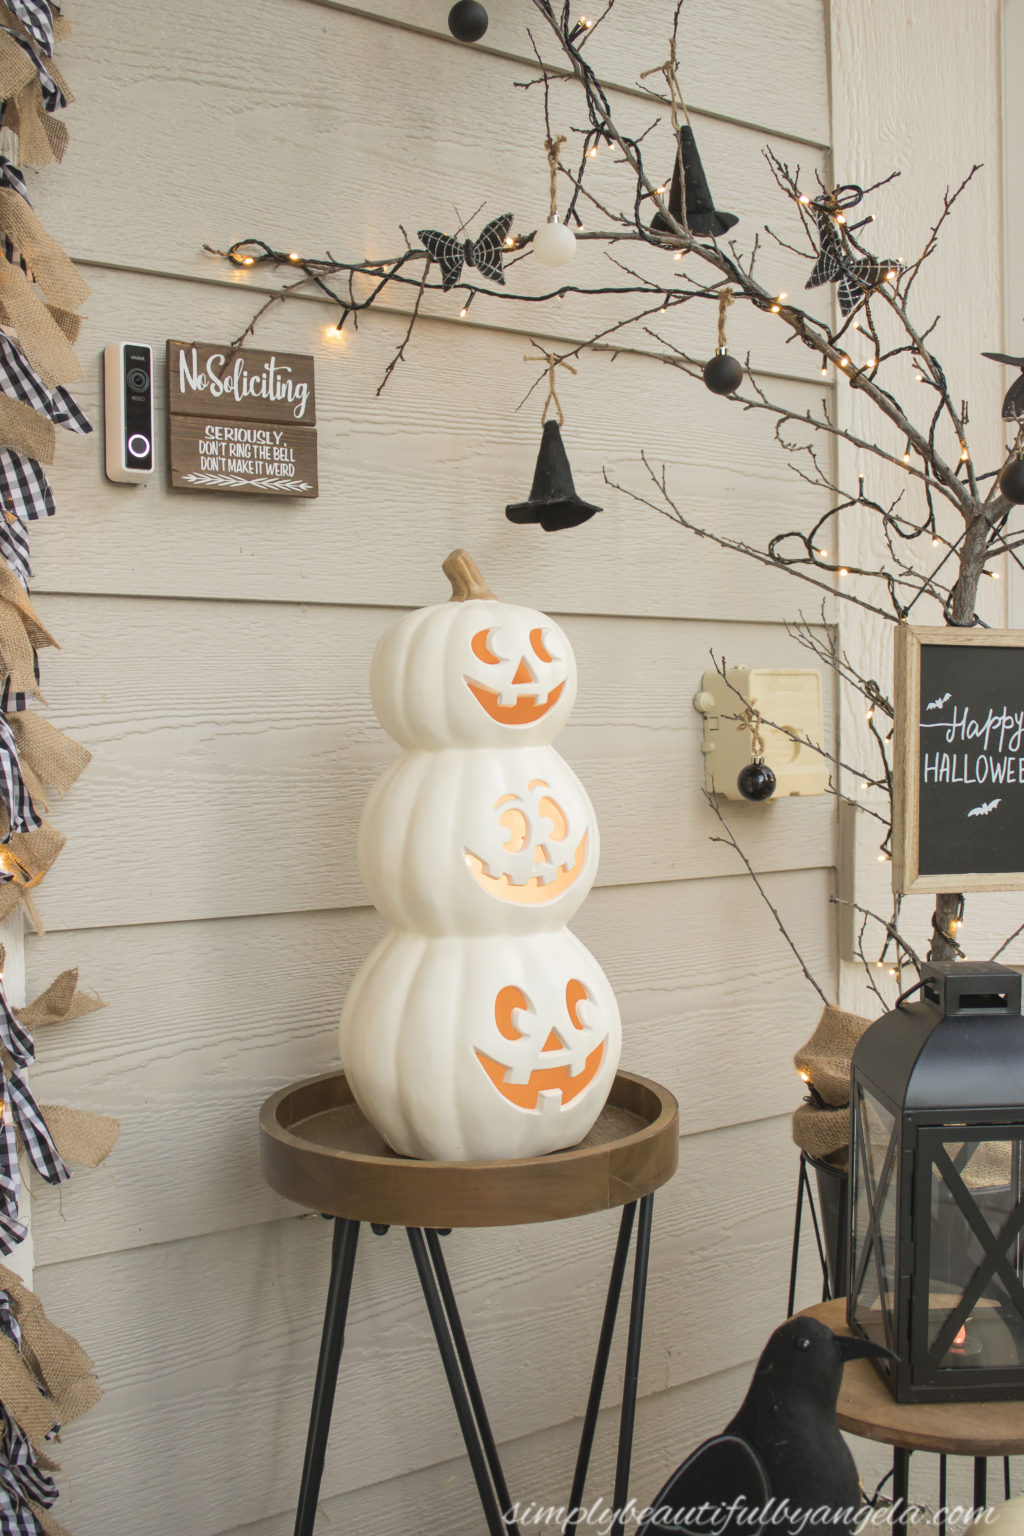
x=937 y=1187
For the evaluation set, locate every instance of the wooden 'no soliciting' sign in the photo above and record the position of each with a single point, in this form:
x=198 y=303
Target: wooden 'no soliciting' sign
x=241 y=421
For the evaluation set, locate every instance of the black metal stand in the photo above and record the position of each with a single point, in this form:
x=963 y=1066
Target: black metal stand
x=453 y=1348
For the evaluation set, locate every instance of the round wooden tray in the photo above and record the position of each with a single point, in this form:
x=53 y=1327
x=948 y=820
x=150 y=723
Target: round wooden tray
x=866 y=1408
x=317 y=1148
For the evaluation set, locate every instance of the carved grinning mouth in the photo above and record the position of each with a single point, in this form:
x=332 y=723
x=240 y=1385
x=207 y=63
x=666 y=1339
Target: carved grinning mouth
x=527 y=708
x=543 y=1080
x=533 y=890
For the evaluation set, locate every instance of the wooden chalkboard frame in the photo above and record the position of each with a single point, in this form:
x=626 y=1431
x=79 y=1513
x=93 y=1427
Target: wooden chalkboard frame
x=906 y=877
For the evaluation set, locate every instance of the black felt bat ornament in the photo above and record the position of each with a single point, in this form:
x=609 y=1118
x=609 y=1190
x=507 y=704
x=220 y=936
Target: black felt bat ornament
x=855 y=275
x=781 y=1455
x=484 y=253
x=1013 y=404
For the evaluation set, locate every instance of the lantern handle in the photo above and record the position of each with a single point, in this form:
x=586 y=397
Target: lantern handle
x=908 y=993
x=464 y=574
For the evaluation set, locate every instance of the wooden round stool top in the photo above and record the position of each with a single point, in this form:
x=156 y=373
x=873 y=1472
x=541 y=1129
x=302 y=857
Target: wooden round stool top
x=318 y=1149
x=866 y=1408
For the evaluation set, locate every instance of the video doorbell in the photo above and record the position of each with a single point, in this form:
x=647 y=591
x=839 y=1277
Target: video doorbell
x=128 y=409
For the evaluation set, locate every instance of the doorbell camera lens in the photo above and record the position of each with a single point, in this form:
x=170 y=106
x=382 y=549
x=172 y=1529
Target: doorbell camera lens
x=138 y=380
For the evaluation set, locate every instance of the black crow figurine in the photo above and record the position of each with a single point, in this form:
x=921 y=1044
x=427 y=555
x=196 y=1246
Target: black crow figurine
x=781 y=1456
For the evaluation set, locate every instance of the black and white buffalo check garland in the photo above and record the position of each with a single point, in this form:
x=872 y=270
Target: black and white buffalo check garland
x=26 y=1489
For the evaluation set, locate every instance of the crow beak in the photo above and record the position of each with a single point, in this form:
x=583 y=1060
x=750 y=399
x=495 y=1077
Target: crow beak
x=858 y=1349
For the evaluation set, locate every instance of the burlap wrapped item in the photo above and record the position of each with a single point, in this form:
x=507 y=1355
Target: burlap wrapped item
x=81 y=1136
x=61 y=28
x=822 y=1133
x=16 y=68
x=54 y=271
x=46 y=750
x=25 y=431
x=58 y=1362
x=826 y=1058
x=59 y=1003
x=39 y=336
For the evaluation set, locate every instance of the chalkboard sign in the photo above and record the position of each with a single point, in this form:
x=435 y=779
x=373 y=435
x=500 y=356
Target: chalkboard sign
x=958 y=760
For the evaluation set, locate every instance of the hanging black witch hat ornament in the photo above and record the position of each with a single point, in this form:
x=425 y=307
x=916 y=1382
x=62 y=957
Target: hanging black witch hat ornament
x=782 y=1454
x=1013 y=404
x=701 y=216
x=553 y=501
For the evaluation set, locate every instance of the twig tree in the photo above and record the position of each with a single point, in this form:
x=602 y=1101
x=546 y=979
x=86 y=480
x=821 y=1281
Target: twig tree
x=923 y=561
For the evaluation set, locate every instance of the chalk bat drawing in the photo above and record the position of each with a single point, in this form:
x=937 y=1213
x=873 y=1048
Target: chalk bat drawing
x=986 y=809
x=938 y=703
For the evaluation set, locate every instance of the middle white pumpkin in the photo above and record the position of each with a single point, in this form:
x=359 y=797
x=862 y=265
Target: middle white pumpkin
x=484 y=841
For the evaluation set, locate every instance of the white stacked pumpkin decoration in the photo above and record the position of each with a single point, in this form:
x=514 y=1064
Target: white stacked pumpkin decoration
x=479 y=1028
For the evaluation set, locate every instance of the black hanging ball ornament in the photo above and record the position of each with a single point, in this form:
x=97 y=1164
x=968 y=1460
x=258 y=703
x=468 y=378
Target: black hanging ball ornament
x=722 y=373
x=1011 y=481
x=467 y=21
x=756 y=782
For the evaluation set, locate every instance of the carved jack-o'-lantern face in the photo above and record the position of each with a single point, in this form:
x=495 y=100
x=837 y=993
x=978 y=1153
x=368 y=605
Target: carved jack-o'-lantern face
x=540 y=856
x=517 y=686
x=536 y=1055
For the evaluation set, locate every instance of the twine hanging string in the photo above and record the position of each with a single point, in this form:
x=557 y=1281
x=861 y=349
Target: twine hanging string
x=751 y=721
x=551 y=397
x=553 y=146
x=677 y=108
x=725 y=298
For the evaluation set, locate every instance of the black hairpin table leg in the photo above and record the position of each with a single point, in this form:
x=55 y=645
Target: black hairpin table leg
x=604 y=1349
x=634 y=1340
x=472 y=1384
x=493 y=1512
x=343 y=1258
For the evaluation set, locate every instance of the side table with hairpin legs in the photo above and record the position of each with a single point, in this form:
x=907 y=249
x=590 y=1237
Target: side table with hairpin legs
x=319 y=1150
x=976 y=1430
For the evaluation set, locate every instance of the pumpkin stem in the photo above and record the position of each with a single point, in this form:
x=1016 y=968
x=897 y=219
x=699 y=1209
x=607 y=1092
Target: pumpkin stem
x=464 y=574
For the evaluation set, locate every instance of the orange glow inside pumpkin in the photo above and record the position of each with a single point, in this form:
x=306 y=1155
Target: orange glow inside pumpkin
x=529 y=706
x=542 y=1078
x=517 y=821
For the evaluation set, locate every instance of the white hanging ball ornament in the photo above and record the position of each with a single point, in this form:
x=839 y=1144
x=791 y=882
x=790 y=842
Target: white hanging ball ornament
x=554 y=244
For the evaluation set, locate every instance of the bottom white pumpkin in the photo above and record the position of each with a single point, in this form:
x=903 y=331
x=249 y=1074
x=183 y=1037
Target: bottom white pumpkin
x=477 y=1049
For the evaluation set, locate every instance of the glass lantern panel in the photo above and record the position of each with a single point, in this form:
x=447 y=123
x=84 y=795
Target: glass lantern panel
x=975 y=1215
x=874 y=1217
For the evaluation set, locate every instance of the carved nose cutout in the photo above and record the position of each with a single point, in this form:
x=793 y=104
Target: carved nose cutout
x=523 y=673
x=553 y=1043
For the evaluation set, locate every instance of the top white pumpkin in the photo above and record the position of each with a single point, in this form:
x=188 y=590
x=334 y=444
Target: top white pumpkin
x=473 y=672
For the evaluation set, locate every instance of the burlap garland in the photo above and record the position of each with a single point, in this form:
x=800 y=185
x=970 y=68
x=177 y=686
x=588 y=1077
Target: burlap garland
x=25 y=431
x=822 y=1133
x=42 y=137
x=55 y=272
x=70 y=324
x=39 y=336
x=60 y=1002
x=17 y=655
x=33 y=853
x=81 y=1136
x=827 y=1057
x=47 y=751
x=49 y=1359
x=16 y=67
